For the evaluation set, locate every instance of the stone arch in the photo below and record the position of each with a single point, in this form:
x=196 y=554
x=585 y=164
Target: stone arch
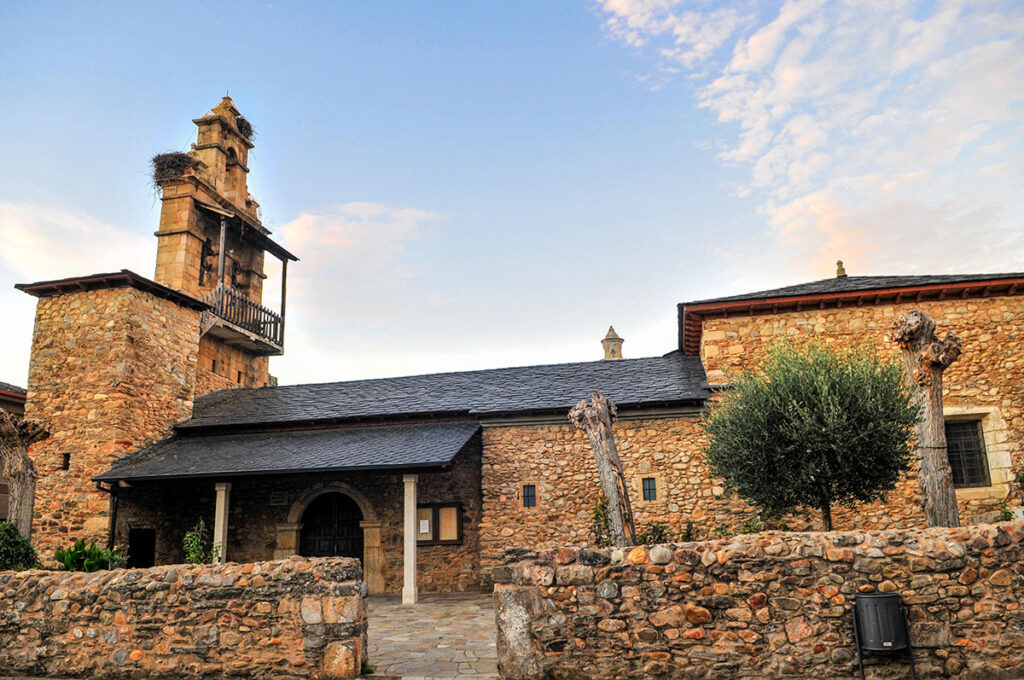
x=319 y=489
x=373 y=555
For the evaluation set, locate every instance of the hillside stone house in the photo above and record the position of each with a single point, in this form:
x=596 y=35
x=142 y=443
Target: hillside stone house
x=162 y=410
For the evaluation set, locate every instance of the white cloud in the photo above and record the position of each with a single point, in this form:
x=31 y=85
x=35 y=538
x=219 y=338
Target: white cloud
x=39 y=242
x=871 y=131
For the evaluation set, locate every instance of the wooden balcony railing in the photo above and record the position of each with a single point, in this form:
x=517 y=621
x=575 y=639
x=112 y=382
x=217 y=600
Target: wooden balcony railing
x=236 y=308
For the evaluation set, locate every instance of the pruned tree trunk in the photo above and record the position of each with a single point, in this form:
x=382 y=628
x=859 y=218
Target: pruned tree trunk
x=925 y=357
x=595 y=419
x=16 y=435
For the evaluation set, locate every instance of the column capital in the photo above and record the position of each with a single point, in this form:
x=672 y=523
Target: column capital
x=410 y=478
x=222 y=486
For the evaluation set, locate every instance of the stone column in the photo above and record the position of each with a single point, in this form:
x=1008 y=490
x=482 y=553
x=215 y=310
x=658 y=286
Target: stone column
x=220 y=521
x=373 y=556
x=409 y=593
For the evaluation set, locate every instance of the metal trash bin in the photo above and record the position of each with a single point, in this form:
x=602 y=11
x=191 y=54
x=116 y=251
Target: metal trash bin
x=880 y=625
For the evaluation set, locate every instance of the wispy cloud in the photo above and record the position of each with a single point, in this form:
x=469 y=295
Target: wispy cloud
x=46 y=242
x=885 y=134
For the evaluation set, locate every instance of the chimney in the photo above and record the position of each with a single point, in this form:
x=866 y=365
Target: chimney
x=612 y=344
x=840 y=269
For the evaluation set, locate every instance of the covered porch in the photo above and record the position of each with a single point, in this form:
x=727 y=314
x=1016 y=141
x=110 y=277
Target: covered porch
x=405 y=499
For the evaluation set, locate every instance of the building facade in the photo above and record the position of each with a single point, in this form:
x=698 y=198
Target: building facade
x=163 y=412
x=12 y=399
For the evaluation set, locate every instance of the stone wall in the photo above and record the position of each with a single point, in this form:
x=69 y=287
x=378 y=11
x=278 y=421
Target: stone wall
x=260 y=506
x=111 y=371
x=985 y=383
x=558 y=459
x=763 y=606
x=220 y=365
x=289 y=619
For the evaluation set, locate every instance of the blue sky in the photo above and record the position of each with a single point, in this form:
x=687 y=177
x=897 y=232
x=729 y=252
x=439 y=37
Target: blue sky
x=483 y=184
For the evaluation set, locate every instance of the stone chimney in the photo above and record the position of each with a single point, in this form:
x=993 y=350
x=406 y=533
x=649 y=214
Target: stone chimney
x=840 y=269
x=612 y=344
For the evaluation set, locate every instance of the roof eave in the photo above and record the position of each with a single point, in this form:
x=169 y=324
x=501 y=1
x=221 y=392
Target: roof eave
x=692 y=315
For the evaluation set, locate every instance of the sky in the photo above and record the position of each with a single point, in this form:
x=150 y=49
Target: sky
x=475 y=184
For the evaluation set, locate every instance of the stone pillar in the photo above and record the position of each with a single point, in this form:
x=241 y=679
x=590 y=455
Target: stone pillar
x=409 y=593
x=373 y=556
x=220 y=521
x=287 y=540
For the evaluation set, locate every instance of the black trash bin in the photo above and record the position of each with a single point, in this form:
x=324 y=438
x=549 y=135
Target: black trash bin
x=880 y=625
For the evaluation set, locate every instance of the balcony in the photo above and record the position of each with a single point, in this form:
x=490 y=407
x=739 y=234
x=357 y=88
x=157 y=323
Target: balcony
x=243 y=323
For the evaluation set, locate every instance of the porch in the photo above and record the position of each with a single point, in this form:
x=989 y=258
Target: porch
x=405 y=500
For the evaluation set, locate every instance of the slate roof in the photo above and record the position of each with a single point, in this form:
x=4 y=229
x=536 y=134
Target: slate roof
x=849 y=284
x=673 y=378
x=13 y=389
x=429 y=445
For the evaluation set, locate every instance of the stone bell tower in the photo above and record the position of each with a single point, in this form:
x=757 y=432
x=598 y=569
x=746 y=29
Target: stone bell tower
x=117 y=359
x=211 y=245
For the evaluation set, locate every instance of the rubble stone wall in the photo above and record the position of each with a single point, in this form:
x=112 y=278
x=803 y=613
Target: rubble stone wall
x=768 y=605
x=111 y=371
x=294 y=618
x=986 y=383
x=559 y=461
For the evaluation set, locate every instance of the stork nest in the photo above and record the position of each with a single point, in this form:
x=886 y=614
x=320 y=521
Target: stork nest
x=245 y=127
x=171 y=165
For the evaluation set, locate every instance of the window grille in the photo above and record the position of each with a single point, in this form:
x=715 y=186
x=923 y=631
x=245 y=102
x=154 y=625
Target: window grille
x=529 y=496
x=650 y=488
x=965 y=446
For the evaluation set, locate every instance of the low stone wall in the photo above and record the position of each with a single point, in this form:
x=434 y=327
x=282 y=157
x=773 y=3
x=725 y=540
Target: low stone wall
x=295 y=618
x=772 y=605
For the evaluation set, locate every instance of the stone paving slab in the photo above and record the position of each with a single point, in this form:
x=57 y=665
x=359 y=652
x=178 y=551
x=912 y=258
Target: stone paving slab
x=443 y=637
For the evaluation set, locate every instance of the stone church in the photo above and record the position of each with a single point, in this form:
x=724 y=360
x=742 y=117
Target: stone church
x=162 y=411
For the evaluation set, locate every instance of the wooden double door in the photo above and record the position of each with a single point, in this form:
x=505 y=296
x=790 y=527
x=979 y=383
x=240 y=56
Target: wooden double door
x=330 y=527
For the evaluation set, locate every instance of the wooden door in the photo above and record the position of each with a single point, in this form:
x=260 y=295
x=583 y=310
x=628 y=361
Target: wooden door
x=330 y=527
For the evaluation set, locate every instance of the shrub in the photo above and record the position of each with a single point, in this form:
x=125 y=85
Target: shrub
x=599 y=523
x=813 y=426
x=197 y=545
x=82 y=557
x=655 y=533
x=15 y=551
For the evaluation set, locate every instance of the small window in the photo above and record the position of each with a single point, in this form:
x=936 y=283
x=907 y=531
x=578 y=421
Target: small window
x=239 y=377
x=213 y=365
x=965 y=445
x=650 y=488
x=529 y=495
x=439 y=524
x=65 y=463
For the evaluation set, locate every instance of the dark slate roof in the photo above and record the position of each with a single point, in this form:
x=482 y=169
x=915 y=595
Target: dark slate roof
x=13 y=389
x=851 y=284
x=355 y=448
x=672 y=378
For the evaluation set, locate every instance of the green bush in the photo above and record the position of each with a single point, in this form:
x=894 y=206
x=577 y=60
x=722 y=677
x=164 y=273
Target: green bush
x=655 y=533
x=15 y=551
x=82 y=557
x=813 y=426
x=599 y=523
x=197 y=545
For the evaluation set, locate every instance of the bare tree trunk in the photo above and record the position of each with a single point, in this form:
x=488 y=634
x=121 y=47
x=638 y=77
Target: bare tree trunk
x=925 y=357
x=596 y=420
x=16 y=435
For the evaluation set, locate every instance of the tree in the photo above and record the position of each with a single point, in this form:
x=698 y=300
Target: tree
x=16 y=435
x=595 y=419
x=925 y=357
x=813 y=426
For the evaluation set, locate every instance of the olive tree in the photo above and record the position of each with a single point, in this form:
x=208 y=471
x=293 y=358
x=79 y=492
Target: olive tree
x=814 y=426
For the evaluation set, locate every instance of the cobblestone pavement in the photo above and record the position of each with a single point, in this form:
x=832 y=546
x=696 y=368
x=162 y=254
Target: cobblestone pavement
x=442 y=637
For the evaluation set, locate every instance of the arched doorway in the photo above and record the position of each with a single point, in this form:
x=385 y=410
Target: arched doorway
x=331 y=527
x=290 y=533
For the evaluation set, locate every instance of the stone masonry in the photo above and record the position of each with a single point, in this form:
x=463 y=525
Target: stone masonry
x=770 y=605
x=290 y=619
x=986 y=382
x=111 y=371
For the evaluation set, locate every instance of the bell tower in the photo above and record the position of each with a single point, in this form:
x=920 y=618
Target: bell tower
x=212 y=246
